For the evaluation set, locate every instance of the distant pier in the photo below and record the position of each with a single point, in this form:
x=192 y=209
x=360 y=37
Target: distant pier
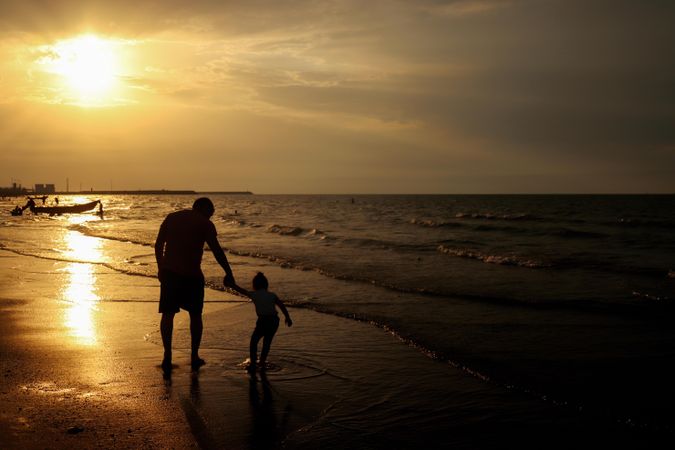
x=18 y=191
x=152 y=192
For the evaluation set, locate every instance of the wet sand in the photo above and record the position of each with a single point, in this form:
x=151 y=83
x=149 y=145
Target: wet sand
x=83 y=377
x=80 y=350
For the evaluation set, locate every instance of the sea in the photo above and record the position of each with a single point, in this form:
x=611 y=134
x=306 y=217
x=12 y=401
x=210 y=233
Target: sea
x=565 y=298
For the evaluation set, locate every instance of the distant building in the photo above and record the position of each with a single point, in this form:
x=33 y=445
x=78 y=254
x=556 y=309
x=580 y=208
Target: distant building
x=14 y=191
x=45 y=189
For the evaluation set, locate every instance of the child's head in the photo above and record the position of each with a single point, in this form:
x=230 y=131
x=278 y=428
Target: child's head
x=259 y=281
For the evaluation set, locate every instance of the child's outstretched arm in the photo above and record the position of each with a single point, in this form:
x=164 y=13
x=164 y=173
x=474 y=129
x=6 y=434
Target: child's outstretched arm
x=283 y=309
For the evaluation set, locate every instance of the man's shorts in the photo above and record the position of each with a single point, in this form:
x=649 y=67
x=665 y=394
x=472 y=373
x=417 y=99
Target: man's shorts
x=266 y=326
x=178 y=291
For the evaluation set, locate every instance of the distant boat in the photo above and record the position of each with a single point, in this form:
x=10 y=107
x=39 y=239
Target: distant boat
x=56 y=210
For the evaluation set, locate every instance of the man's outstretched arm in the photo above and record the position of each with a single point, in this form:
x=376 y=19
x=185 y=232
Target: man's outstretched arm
x=219 y=254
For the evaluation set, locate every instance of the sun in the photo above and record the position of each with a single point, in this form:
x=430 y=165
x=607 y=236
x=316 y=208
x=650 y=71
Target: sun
x=88 y=66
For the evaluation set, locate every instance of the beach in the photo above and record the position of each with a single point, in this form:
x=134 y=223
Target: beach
x=94 y=382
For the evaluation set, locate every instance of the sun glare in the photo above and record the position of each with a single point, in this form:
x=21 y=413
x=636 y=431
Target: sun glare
x=87 y=64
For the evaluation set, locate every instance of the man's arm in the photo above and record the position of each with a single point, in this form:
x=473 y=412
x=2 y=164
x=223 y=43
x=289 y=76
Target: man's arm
x=159 y=249
x=219 y=254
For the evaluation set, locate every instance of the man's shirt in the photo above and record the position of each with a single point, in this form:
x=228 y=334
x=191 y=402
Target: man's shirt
x=184 y=234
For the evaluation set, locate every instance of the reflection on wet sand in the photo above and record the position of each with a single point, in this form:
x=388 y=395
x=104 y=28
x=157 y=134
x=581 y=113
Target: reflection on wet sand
x=81 y=291
x=265 y=432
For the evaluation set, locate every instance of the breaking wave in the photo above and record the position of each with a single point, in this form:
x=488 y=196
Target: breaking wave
x=504 y=260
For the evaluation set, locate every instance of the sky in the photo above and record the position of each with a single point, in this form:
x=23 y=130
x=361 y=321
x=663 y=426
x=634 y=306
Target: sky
x=327 y=96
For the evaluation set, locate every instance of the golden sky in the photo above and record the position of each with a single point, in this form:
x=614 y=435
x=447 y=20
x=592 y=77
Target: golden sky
x=430 y=96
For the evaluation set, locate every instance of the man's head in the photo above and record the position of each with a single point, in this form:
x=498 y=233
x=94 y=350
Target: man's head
x=204 y=206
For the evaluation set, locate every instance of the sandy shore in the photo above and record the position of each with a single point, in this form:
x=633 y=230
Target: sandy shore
x=80 y=349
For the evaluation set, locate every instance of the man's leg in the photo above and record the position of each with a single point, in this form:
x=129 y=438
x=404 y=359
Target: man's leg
x=196 y=329
x=166 y=329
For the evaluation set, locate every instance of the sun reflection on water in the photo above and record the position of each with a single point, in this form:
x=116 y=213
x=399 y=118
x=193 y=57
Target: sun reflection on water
x=81 y=289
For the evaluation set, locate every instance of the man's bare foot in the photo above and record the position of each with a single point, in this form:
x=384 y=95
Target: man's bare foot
x=166 y=365
x=197 y=363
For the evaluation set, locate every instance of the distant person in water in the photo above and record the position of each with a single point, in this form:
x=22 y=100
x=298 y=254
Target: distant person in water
x=268 y=320
x=30 y=204
x=178 y=250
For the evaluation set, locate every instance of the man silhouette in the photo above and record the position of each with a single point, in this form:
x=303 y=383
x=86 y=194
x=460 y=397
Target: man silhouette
x=178 y=249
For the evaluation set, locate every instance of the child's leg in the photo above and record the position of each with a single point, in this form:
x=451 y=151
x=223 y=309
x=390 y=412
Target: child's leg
x=268 y=329
x=253 y=347
x=267 y=343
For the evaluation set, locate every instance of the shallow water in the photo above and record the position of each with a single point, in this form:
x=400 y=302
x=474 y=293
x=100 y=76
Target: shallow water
x=568 y=298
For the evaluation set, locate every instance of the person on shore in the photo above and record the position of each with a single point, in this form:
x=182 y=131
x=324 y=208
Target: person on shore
x=178 y=249
x=266 y=326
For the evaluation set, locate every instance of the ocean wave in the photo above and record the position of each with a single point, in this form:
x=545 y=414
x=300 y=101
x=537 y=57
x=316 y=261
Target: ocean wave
x=464 y=242
x=572 y=233
x=239 y=222
x=103 y=235
x=370 y=243
x=648 y=223
x=652 y=297
x=289 y=230
x=491 y=216
x=282 y=262
x=456 y=223
x=564 y=233
x=434 y=224
x=504 y=260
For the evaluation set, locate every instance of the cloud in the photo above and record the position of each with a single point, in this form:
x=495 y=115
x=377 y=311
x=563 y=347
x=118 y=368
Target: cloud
x=556 y=83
